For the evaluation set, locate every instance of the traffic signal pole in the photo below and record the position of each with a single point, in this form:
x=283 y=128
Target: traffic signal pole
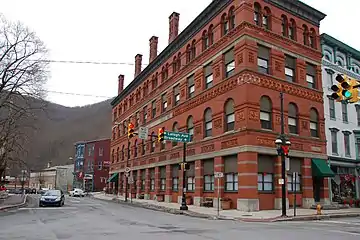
x=183 y=200
x=283 y=169
x=127 y=163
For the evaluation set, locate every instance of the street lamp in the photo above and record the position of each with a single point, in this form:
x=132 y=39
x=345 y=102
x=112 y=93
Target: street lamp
x=282 y=147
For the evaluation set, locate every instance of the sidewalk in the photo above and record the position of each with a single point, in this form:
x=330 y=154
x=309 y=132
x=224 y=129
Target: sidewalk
x=12 y=201
x=260 y=216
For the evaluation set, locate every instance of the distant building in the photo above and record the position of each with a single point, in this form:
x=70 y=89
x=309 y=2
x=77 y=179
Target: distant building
x=56 y=177
x=342 y=121
x=91 y=165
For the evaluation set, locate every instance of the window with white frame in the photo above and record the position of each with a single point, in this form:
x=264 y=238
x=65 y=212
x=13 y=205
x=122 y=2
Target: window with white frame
x=334 y=142
x=314 y=122
x=265 y=112
x=310 y=75
x=190 y=125
x=265 y=182
x=152 y=179
x=231 y=173
x=208 y=122
x=229 y=115
x=347 y=143
x=263 y=59
x=208 y=76
x=164 y=102
x=191 y=86
x=290 y=66
x=208 y=168
x=162 y=179
x=293 y=183
x=176 y=94
x=229 y=63
x=332 y=109
x=293 y=119
x=175 y=177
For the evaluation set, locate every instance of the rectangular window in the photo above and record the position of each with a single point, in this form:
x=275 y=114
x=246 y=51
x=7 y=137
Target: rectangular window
x=347 y=144
x=209 y=183
x=175 y=177
x=229 y=63
x=263 y=59
x=292 y=125
x=265 y=120
x=162 y=184
x=191 y=86
x=164 y=102
x=152 y=184
x=290 y=66
x=344 y=112
x=208 y=129
x=190 y=184
x=265 y=181
x=231 y=182
x=294 y=183
x=175 y=184
x=230 y=122
x=358 y=114
x=310 y=75
x=176 y=94
x=143 y=179
x=358 y=146
x=101 y=152
x=329 y=77
x=332 y=108
x=208 y=76
x=334 y=144
x=137 y=122
x=99 y=165
x=153 y=109
x=313 y=129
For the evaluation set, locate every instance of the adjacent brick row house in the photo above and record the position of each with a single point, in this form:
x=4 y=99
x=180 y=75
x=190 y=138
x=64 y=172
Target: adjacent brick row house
x=220 y=80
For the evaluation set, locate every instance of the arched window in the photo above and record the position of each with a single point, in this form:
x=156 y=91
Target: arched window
x=257 y=14
x=305 y=35
x=114 y=134
x=113 y=156
x=188 y=53
x=265 y=112
x=224 y=24
x=123 y=153
x=208 y=122
x=174 y=65
x=175 y=128
x=156 y=79
x=229 y=115
x=166 y=71
x=190 y=125
x=292 y=29
x=314 y=123
x=117 y=154
x=135 y=148
x=205 y=40
x=293 y=119
x=266 y=18
x=179 y=61
x=193 y=49
x=284 y=25
x=143 y=147
x=232 y=18
x=312 y=38
x=152 y=139
x=211 y=35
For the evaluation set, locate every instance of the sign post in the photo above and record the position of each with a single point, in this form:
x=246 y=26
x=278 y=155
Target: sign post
x=185 y=138
x=295 y=176
x=218 y=175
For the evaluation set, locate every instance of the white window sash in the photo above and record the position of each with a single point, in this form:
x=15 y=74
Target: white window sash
x=264 y=116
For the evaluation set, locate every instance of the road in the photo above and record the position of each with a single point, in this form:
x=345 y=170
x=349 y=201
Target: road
x=87 y=218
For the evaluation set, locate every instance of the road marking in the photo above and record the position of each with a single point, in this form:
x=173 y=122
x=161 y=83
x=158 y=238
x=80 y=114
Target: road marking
x=341 y=222
x=72 y=201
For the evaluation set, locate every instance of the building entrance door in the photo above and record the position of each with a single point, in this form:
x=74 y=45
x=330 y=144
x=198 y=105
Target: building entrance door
x=317 y=185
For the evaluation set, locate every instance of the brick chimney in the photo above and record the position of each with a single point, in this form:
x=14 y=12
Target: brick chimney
x=120 y=83
x=138 y=60
x=173 y=26
x=153 y=48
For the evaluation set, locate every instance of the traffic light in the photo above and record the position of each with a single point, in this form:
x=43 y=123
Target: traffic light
x=130 y=130
x=354 y=91
x=337 y=94
x=161 y=135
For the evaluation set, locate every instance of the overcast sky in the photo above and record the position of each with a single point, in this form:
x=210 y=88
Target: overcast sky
x=116 y=30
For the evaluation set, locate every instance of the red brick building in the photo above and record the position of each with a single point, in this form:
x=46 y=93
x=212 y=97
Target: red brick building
x=220 y=80
x=92 y=163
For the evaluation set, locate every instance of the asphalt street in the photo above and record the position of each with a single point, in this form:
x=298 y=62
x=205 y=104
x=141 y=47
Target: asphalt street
x=85 y=218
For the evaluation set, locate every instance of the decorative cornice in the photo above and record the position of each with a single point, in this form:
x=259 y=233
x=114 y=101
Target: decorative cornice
x=300 y=10
x=327 y=64
x=338 y=45
x=329 y=71
x=215 y=7
x=346 y=132
x=334 y=129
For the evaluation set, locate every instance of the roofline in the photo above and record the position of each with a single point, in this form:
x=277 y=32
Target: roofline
x=210 y=12
x=333 y=42
x=91 y=141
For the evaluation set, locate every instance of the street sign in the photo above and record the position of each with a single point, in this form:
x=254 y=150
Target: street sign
x=218 y=174
x=143 y=133
x=177 y=136
x=127 y=169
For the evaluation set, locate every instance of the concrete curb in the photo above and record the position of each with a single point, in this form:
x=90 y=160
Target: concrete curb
x=212 y=217
x=166 y=209
x=318 y=217
x=14 y=206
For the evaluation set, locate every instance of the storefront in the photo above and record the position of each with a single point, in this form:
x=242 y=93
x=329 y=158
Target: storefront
x=345 y=184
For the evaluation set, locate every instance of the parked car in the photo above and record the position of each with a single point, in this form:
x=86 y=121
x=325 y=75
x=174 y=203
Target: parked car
x=77 y=192
x=52 y=198
x=43 y=191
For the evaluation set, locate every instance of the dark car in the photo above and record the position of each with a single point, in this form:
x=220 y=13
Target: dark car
x=52 y=198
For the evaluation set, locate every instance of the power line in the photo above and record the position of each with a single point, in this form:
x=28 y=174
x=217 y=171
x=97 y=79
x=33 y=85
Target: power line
x=77 y=94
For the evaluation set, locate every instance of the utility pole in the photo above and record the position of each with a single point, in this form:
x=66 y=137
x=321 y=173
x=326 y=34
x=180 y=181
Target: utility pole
x=283 y=172
x=127 y=164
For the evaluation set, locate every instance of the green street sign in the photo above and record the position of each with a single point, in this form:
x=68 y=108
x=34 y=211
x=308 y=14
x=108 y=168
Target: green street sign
x=177 y=136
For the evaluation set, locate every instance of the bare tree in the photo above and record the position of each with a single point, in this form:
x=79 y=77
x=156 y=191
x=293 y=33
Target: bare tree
x=23 y=73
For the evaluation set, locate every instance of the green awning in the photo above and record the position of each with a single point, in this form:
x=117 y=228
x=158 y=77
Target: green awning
x=113 y=178
x=320 y=168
